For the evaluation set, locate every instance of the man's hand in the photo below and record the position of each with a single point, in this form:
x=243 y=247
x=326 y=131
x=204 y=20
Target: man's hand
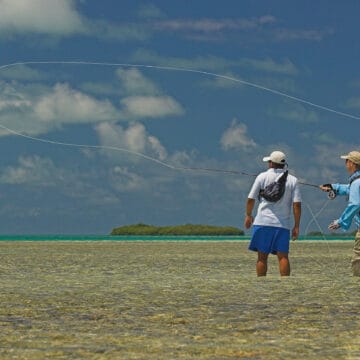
x=295 y=233
x=248 y=221
x=334 y=225
x=326 y=187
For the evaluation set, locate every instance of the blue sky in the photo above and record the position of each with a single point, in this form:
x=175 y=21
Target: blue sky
x=202 y=83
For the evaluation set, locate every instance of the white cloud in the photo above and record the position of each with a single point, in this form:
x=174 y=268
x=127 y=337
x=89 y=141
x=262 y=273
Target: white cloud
x=219 y=64
x=151 y=106
x=285 y=67
x=150 y=11
x=60 y=18
x=37 y=110
x=36 y=171
x=104 y=29
x=301 y=34
x=235 y=137
x=134 y=139
x=55 y=17
x=295 y=113
x=11 y=99
x=135 y=83
x=31 y=170
x=262 y=28
x=143 y=98
x=123 y=179
x=21 y=72
x=214 y=25
x=64 y=104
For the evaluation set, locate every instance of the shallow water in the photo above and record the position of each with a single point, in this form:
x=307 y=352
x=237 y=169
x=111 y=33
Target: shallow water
x=175 y=300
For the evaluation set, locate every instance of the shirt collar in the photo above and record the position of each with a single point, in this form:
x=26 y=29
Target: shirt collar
x=354 y=175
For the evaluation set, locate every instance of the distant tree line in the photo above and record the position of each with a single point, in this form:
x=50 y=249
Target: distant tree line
x=184 y=230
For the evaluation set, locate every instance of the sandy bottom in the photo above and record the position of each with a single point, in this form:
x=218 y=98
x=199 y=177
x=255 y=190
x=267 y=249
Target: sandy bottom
x=175 y=300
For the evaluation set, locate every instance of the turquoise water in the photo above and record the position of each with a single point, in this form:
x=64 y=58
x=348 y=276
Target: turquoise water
x=150 y=238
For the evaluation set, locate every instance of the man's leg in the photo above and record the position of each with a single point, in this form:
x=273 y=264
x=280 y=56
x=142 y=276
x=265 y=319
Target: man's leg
x=261 y=265
x=355 y=262
x=284 y=263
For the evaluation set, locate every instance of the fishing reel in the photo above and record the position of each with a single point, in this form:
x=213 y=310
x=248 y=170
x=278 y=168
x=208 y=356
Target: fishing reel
x=331 y=194
x=329 y=189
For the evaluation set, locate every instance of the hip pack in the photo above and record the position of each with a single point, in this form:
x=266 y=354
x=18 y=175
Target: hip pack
x=275 y=190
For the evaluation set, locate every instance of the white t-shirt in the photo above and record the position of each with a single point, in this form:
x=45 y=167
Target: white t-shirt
x=275 y=213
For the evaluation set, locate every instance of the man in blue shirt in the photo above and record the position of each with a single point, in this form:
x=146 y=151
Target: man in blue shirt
x=352 y=210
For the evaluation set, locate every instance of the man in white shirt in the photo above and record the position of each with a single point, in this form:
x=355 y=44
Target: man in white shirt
x=271 y=226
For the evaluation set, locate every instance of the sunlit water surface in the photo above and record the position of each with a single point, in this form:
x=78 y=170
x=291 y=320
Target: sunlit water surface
x=175 y=300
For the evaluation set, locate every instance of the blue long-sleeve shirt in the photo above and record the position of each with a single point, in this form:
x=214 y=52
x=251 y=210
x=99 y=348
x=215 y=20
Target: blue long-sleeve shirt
x=352 y=210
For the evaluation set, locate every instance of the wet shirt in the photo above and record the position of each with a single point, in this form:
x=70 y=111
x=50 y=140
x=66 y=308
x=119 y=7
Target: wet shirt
x=352 y=210
x=279 y=213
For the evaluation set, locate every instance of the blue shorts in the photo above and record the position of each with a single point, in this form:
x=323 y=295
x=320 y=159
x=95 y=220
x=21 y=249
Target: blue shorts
x=270 y=239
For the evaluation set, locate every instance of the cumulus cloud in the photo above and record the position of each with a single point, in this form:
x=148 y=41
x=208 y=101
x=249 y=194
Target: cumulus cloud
x=235 y=137
x=65 y=104
x=41 y=172
x=34 y=111
x=150 y=11
x=61 y=18
x=135 y=138
x=123 y=179
x=134 y=82
x=56 y=17
x=12 y=99
x=37 y=108
x=31 y=170
x=21 y=72
x=295 y=113
x=150 y=106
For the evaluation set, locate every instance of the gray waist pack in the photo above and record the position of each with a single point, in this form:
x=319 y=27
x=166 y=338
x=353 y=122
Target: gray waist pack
x=275 y=190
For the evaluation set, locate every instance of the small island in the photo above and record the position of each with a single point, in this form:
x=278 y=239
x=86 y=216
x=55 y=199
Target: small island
x=178 y=230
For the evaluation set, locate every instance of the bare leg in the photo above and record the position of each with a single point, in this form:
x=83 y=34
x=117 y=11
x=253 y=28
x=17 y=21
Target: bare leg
x=355 y=262
x=261 y=265
x=284 y=264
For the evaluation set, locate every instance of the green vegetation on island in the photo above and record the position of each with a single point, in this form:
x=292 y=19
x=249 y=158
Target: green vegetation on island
x=183 y=230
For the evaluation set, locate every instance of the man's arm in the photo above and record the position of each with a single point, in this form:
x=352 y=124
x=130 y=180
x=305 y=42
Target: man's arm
x=248 y=214
x=297 y=216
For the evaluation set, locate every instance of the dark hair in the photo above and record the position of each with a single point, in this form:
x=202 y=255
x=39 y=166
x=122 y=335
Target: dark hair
x=276 y=165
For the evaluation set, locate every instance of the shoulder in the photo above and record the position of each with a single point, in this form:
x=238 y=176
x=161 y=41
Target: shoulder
x=355 y=184
x=261 y=176
x=292 y=179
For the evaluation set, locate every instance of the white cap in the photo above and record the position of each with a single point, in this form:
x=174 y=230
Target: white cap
x=276 y=157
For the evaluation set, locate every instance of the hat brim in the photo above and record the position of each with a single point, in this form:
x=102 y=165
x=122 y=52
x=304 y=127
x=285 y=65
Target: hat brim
x=267 y=158
x=345 y=157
